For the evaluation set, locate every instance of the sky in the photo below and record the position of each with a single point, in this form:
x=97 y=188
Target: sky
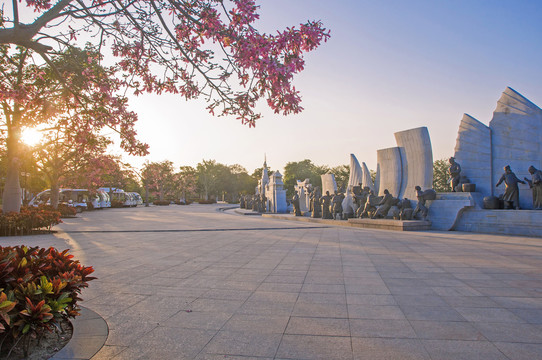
x=389 y=66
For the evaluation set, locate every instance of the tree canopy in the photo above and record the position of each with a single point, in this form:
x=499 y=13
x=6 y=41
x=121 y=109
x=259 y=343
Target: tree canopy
x=207 y=48
x=191 y=48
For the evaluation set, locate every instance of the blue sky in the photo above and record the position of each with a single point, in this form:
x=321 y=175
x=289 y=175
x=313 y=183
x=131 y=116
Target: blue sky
x=389 y=66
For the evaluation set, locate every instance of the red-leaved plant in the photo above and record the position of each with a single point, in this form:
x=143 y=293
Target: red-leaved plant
x=38 y=288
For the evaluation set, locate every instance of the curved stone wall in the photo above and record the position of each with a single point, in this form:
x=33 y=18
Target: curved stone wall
x=356 y=174
x=473 y=153
x=516 y=139
x=390 y=170
x=416 y=159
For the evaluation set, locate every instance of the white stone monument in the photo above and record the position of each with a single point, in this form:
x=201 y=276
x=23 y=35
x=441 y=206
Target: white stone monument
x=402 y=168
x=513 y=137
x=303 y=189
x=275 y=193
x=328 y=184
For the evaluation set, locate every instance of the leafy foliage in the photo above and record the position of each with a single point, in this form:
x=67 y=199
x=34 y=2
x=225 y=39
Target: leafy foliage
x=38 y=287
x=301 y=170
x=441 y=176
x=28 y=219
x=342 y=175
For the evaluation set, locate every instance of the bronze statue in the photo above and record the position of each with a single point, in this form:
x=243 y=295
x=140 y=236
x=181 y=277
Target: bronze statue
x=406 y=210
x=455 y=174
x=337 y=205
x=420 y=207
x=511 y=191
x=370 y=205
x=295 y=202
x=263 y=203
x=326 y=201
x=384 y=206
x=315 y=203
x=360 y=200
x=536 y=185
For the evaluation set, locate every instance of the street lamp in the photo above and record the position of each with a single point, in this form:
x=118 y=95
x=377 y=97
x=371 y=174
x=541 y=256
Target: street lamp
x=25 y=175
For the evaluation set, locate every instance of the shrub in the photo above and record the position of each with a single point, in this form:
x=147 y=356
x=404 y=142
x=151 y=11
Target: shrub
x=38 y=288
x=28 y=220
x=67 y=211
x=210 y=201
x=160 y=202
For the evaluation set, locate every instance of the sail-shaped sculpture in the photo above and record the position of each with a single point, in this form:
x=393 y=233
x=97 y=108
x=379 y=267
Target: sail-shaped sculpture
x=356 y=174
x=514 y=137
x=367 y=180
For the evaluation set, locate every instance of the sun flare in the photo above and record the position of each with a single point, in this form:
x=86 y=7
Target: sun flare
x=31 y=136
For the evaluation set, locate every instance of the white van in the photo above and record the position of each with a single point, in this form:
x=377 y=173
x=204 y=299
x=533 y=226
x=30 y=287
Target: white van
x=137 y=198
x=119 y=197
x=76 y=198
x=94 y=201
x=105 y=201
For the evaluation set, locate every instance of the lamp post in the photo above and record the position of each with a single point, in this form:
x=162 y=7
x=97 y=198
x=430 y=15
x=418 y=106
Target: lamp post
x=25 y=175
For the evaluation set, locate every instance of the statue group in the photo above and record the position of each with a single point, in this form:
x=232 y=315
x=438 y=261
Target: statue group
x=511 y=181
x=253 y=202
x=366 y=205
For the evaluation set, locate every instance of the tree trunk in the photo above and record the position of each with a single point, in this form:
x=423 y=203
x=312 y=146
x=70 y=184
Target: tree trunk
x=54 y=194
x=11 y=198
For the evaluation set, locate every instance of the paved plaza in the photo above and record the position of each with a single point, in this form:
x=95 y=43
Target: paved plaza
x=191 y=282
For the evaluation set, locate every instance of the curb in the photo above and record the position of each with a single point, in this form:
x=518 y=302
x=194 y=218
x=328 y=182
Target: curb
x=89 y=335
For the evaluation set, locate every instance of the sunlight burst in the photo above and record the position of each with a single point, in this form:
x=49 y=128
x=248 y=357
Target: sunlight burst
x=31 y=136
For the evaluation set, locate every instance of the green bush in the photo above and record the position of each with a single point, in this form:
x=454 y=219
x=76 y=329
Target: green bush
x=210 y=201
x=161 y=202
x=28 y=220
x=38 y=288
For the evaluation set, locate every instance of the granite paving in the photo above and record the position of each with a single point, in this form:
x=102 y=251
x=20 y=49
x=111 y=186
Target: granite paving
x=193 y=282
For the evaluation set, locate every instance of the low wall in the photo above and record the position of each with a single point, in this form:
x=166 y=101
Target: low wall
x=503 y=222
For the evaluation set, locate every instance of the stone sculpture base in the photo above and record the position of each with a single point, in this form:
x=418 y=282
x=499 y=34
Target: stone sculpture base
x=507 y=222
x=389 y=224
x=383 y=224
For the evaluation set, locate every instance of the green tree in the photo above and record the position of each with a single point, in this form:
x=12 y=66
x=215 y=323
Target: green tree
x=342 y=175
x=187 y=181
x=158 y=176
x=440 y=176
x=208 y=175
x=301 y=170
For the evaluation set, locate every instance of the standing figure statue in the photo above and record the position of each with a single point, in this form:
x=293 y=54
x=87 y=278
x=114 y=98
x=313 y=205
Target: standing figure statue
x=315 y=203
x=384 y=206
x=369 y=208
x=295 y=202
x=360 y=200
x=337 y=205
x=326 y=202
x=455 y=173
x=511 y=191
x=420 y=207
x=254 y=202
x=536 y=184
x=263 y=203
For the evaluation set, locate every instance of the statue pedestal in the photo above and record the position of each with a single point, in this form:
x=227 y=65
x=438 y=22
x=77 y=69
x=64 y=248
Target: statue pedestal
x=390 y=224
x=447 y=208
x=504 y=222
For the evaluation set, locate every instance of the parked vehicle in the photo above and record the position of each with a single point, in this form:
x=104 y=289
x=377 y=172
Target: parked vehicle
x=94 y=201
x=76 y=198
x=138 y=199
x=120 y=198
x=105 y=201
